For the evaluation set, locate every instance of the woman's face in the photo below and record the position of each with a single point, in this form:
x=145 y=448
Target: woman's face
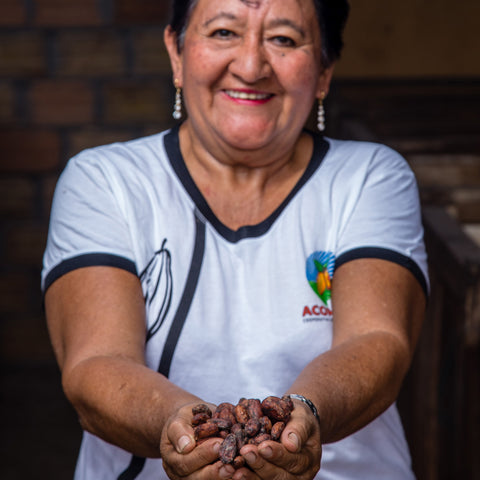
x=250 y=70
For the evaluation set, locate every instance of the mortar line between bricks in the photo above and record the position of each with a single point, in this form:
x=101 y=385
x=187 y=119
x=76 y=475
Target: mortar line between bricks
x=129 y=51
x=64 y=146
x=105 y=7
x=98 y=86
x=38 y=197
x=22 y=104
x=51 y=51
x=30 y=10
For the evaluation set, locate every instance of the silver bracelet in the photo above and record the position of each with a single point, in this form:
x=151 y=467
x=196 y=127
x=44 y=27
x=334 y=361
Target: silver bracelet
x=308 y=403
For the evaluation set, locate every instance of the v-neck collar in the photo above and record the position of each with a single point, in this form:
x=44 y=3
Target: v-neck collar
x=172 y=147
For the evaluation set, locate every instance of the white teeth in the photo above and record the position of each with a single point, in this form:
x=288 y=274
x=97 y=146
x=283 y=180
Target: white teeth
x=247 y=96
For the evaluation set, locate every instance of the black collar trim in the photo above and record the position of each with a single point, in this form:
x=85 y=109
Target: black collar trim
x=172 y=147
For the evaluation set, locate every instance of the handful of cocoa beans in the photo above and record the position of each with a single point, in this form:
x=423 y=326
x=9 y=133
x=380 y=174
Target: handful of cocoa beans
x=251 y=421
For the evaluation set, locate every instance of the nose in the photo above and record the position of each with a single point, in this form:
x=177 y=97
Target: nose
x=251 y=62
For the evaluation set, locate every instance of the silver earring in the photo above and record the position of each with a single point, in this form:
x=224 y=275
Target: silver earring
x=321 y=114
x=177 y=112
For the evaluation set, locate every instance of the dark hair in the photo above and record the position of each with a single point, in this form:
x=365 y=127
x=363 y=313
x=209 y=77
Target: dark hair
x=331 y=14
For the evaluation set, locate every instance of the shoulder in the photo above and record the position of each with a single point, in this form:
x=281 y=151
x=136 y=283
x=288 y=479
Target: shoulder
x=358 y=160
x=119 y=170
x=143 y=148
x=364 y=152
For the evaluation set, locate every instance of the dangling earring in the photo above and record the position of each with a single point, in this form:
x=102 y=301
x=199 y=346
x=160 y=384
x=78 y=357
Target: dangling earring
x=321 y=113
x=177 y=112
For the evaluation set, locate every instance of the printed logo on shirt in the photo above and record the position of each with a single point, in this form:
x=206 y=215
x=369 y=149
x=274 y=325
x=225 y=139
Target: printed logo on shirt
x=319 y=271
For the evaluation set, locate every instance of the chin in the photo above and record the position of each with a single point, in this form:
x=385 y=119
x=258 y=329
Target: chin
x=250 y=136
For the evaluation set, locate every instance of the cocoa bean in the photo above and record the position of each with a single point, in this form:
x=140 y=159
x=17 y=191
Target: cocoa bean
x=241 y=414
x=225 y=406
x=248 y=422
x=236 y=427
x=276 y=409
x=238 y=462
x=252 y=427
x=201 y=408
x=254 y=408
x=222 y=423
x=277 y=430
x=228 y=449
x=200 y=418
x=288 y=402
x=225 y=411
x=241 y=437
x=205 y=430
x=263 y=437
x=266 y=424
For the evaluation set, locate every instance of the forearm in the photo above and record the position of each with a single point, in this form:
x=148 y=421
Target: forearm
x=354 y=382
x=123 y=402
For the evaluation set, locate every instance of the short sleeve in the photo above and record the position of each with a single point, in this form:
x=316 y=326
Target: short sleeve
x=87 y=226
x=384 y=219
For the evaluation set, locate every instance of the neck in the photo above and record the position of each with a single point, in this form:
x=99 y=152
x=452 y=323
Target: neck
x=244 y=187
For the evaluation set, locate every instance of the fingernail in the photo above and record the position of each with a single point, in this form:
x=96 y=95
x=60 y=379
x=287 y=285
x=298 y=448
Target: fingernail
x=294 y=439
x=250 y=457
x=266 y=452
x=183 y=442
x=216 y=447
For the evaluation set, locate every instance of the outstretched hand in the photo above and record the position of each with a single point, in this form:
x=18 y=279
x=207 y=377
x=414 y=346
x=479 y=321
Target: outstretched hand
x=183 y=457
x=297 y=455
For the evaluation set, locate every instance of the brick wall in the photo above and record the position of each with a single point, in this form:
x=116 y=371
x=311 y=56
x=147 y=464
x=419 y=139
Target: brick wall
x=73 y=74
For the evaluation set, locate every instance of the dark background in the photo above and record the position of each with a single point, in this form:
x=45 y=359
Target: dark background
x=75 y=74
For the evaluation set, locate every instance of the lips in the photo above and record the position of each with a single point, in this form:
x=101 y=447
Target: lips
x=252 y=96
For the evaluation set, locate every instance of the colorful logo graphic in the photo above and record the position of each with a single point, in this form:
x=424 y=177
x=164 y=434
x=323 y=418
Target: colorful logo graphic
x=320 y=266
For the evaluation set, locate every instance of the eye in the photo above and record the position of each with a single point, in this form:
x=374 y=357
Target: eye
x=223 y=33
x=283 y=41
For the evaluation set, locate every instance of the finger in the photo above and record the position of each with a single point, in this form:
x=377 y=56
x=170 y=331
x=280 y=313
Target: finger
x=212 y=471
x=278 y=456
x=259 y=465
x=272 y=460
x=203 y=455
x=180 y=434
x=302 y=430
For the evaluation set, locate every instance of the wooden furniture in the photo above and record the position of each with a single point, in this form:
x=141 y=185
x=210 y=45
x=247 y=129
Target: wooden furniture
x=435 y=124
x=440 y=401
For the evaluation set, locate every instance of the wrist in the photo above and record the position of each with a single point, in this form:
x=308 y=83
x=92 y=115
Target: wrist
x=308 y=403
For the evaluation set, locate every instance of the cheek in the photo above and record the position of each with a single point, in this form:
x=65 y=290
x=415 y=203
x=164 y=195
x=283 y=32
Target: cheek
x=299 y=75
x=200 y=65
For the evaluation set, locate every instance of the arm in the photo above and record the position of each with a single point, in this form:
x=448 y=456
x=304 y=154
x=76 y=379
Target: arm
x=96 y=319
x=378 y=310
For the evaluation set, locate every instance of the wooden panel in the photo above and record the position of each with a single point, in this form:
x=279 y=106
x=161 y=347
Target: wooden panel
x=440 y=400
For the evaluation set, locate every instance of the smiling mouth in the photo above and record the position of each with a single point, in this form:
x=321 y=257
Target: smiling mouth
x=248 y=95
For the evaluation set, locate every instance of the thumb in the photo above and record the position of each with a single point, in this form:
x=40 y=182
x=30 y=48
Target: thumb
x=181 y=436
x=185 y=444
x=292 y=441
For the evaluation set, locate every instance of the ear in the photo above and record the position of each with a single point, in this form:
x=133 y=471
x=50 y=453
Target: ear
x=170 y=39
x=324 y=81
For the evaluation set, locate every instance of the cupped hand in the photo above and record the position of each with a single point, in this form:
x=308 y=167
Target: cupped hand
x=297 y=456
x=183 y=457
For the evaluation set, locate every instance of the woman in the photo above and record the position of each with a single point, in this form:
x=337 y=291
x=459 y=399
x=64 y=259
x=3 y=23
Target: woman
x=238 y=255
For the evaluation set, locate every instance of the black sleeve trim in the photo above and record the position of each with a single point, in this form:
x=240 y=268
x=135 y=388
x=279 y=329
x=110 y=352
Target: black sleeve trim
x=88 y=260
x=385 y=254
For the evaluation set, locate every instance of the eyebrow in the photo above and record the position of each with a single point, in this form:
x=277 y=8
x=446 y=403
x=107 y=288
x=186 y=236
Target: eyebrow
x=285 y=22
x=278 y=22
x=228 y=16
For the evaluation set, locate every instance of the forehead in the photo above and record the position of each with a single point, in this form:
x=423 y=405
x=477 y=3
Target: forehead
x=302 y=10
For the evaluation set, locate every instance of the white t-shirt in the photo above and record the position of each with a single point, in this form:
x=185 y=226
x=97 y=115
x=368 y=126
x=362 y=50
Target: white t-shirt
x=248 y=307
